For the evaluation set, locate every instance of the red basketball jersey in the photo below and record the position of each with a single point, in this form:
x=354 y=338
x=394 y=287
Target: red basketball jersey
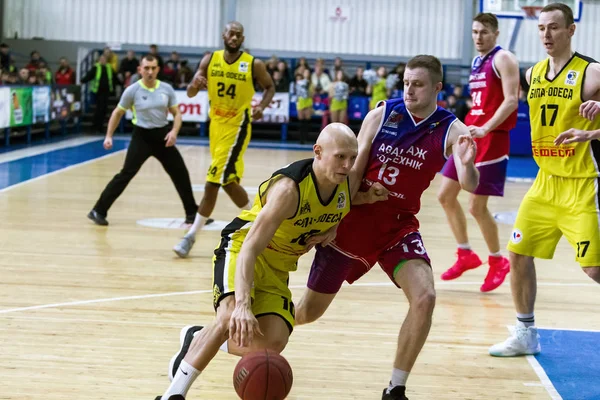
x=485 y=85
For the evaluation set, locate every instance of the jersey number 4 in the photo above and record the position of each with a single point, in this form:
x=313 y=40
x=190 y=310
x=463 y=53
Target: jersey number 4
x=547 y=108
x=221 y=92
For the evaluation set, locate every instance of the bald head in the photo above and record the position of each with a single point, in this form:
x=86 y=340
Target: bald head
x=336 y=134
x=233 y=25
x=335 y=152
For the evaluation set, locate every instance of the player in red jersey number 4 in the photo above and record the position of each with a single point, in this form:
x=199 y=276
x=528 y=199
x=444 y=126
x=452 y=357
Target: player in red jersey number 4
x=494 y=85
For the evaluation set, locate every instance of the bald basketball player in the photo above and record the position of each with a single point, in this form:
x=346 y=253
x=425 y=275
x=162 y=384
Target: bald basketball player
x=259 y=249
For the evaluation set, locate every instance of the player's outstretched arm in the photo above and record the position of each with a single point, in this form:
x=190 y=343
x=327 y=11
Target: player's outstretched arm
x=266 y=82
x=368 y=130
x=464 y=151
x=200 y=81
x=281 y=204
x=508 y=68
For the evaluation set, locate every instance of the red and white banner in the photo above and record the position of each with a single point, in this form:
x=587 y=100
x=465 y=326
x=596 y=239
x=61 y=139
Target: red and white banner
x=278 y=111
x=196 y=109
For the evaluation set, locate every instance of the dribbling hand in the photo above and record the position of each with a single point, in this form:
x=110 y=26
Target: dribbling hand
x=108 y=143
x=467 y=149
x=243 y=325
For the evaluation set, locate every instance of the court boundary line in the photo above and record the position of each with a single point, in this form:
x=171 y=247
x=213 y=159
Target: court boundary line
x=44 y=148
x=191 y=292
x=544 y=379
x=6 y=189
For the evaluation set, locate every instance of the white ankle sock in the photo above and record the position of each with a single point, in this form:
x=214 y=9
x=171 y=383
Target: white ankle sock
x=182 y=381
x=199 y=222
x=496 y=254
x=464 y=246
x=247 y=206
x=399 y=378
x=526 y=319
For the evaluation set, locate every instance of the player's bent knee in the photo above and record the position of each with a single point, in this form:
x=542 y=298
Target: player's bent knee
x=277 y=344
x=593 y=272
x=425 y=301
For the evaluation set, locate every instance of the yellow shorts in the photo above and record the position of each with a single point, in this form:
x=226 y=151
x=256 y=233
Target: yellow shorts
x=270 y=292
x=556 y=206
x=304 y=102
x=228 y=143
x=338 y=105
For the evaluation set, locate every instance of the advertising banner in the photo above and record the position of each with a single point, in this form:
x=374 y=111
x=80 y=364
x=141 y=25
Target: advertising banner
x=20 y=106
x=41 y=104
x=4 y=107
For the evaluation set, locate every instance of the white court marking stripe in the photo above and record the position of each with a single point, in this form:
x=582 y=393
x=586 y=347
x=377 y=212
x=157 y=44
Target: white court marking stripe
x=59 y=171
x=539 y=370
x=45 y=148
x=546 y=382
x=148 y=296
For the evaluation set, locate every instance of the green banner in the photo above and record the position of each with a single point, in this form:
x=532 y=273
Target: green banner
x=21 y=107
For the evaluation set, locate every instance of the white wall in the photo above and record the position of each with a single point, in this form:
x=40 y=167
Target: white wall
x=164 y=22
x=376 y=27
x=529 y=48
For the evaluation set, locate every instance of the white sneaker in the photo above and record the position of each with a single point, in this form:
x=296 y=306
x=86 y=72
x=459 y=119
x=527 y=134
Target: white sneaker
x=182 y=249
x=523 y=341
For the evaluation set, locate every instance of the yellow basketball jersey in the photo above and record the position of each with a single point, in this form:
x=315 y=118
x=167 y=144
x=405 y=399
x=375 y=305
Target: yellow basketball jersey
x=230 y=88
x=553 y=109
x=314 y=215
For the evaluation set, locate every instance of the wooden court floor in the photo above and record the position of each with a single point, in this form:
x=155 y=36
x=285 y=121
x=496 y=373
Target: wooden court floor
x=88 y=312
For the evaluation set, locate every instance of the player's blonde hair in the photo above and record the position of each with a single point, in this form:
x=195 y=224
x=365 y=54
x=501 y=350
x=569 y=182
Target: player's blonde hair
x=430 y=63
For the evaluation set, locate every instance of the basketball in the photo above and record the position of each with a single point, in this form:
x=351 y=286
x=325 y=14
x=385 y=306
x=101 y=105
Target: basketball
x=262 y=375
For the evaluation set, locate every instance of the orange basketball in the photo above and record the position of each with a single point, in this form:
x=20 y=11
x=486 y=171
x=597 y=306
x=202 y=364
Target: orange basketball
x=263 y=375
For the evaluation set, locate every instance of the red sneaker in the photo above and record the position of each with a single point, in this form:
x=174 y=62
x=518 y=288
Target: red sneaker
x=499 y=268
x=467 y=259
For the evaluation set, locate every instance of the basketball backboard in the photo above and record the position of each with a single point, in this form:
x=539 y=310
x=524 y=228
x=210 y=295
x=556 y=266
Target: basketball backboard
x=514 y=8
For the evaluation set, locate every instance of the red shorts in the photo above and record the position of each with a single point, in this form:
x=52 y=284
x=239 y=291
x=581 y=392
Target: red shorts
x=352 y=255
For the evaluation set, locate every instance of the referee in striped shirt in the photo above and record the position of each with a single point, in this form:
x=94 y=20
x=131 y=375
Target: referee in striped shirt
x=150 y=100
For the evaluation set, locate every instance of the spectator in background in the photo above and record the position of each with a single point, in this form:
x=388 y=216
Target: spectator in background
x=5 y=57
x=397 y=89
x=154 y=51
x=23 y=76
x=44 y=74
x=184 y=75
x=457 y=108
x=302 y=63
x=459 y=92
x=304 y=104
x=358 y=85
x=320 y=80
x=280 y=84
x=339 y=97
x=271 y=64
x=34 y=61
x=33 y=79
x=65 y=75
x=337 y=66
x=111 y=59
x=171 y=67
x=378 y=90
x=285 y=74
x=102 y=85
x=128 y=67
